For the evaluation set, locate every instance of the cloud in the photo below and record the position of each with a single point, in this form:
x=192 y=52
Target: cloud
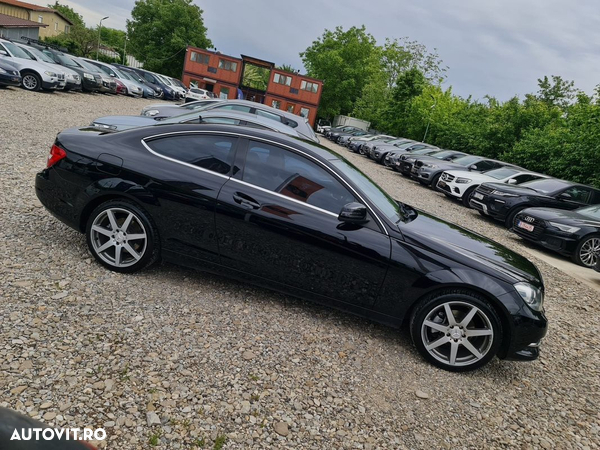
x=495 y=48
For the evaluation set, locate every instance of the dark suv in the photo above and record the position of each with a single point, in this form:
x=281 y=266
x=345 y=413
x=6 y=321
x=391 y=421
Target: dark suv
x=503 y=201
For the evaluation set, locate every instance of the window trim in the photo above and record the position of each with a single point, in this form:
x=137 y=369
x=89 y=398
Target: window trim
x=357 y=194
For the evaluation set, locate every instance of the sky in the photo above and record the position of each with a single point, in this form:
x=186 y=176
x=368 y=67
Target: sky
x=498 y=48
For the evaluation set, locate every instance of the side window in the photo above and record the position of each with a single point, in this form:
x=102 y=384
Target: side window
x=225 y=120
x=255 y=125
x=214 y=153
x=241 y=108
x=485 y=165
x=525 y=177
x=268 y=115
x=294 y=176
x=579 y=194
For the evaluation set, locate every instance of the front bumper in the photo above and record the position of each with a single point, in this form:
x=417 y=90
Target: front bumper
x=7 y=79
x=405 y=167
x=51 y=84
x=452 y=188
x=490 y=205
x=90 y=85
x=550 y=238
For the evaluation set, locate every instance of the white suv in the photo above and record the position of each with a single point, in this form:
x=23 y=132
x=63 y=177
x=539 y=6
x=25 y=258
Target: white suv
x=35 y=75
x=194 y=94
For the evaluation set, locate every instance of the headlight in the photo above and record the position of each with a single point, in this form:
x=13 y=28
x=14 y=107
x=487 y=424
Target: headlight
x=565 y=228
x=504 y=194
x=50 y=74
x=533 y=296
x=463 y=180
x=88 y=76
x=433 y=166
x=151 y=112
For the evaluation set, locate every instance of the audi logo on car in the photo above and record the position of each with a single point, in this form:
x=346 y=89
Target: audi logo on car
x=529 y=219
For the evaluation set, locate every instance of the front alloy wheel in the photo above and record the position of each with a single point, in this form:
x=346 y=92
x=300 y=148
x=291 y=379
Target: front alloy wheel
x=121 y=237
x=588 y=251
x=31 y=82
x=456 y=331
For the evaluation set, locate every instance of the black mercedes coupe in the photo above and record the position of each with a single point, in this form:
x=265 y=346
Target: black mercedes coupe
x=290 y=215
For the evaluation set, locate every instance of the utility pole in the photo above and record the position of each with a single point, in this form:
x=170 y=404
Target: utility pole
x=125 y=51
x=99 y=30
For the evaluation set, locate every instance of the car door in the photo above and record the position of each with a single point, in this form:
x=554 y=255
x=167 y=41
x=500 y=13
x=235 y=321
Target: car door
x=277 y=222
x=186 y=181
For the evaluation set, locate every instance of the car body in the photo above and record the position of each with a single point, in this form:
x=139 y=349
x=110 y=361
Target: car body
x=91 y=81
x=193 y=94
x=121 y=123
x=323 y=125
x=35 y=75
x=574 y=233
x=296 y=217
x=162 y=110
x=149 y=90
x=503 y=202
x=168 y=93
x=72 y=78
x=133 y=88
x=368 y=146
x=460 y=185
x=333 y=133
x=9 y=74
x=403 y=161
x=473 y=163
x=357 y=143
x=342 y=134
x=109 y=86
x=298 y=122
x=176 y=91
x=385 y=153
x=346 y=139
x=424 y=168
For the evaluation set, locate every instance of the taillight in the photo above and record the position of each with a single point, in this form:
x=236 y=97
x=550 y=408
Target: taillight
x=56 y=154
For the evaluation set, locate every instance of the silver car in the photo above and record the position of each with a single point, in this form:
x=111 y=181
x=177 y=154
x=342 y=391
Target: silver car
x=133 y=87
x=72 y=78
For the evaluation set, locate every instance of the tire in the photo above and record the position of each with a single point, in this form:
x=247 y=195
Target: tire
x=583 y=254
x=455 y=350
x=136 y=245
x=510 y=218
x=467 y=196
x=482 y=213
x=31 y=81
x=434 y=181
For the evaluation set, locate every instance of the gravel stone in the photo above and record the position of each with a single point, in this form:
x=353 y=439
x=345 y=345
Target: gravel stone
x=181 y=361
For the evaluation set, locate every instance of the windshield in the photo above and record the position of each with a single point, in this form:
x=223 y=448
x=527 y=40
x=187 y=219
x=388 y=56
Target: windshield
x=443 y=154
x=467 y=160
x=39 y=55
x=17 y=52
x=122 y=75
x=546 y=186
x=90 y=67
x=590 y=211
x=68 y=61
x=423 y=151
x=499 y=174
x=399 y=141
x=405 y=145
x=377 y=196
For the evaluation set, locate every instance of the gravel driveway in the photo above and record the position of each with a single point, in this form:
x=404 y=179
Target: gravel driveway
x=172 y=358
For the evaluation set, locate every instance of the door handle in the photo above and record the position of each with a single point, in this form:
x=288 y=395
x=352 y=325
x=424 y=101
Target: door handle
x=245 y=201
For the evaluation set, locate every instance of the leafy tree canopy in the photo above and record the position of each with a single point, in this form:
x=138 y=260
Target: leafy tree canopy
x=160 y=30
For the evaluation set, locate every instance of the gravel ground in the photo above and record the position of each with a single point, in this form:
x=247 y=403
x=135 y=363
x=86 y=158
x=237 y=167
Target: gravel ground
x=172 y=358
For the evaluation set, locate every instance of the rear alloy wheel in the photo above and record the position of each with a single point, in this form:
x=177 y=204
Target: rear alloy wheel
x=467 y=196
x=121 y=237
x=31 y=81
x=456 y=331
x=587 y=251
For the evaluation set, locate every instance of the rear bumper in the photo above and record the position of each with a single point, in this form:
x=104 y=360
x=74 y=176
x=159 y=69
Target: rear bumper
x=54 y=199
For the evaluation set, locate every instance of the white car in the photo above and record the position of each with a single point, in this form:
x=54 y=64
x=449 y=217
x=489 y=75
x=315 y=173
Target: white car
x=72 y=78
x=35 y=75
x=194 y=94
x=462 y=184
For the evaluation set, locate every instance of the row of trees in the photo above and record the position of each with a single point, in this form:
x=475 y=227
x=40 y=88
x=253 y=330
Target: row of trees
x=397 y=87
x=157 y=34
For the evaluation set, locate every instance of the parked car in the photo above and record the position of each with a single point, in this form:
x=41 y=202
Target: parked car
x=341 y=135
x=323 y=125
x=158 y=90
x=156 y=82
x=194 y=94
x=133 y=88
x=177 y=91
x=161 y=110
x=356 y=143
x=385 y=152
x=298 y=122
x=403 y=161
x=575 y=233
x=72 y=78
x=150 y=91
x=120 y=123
x=345 y=140
x=9 y=75
x=333 y=133
x=286 y=214
x=503 y=202
x=460 y=185
x=472 y=163
x=109 y=86
x=35 y=75
x=424 y=169
x=367 y=147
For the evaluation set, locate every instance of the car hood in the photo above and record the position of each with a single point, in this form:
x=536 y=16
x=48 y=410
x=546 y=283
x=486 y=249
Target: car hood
x=469 y=248
x=562 y=216
x=517 y=190
x=125 y=122
x=475 y=177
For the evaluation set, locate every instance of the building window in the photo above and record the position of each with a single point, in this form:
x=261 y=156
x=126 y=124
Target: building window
x=199 y=58
x=290 y=109
x=227 y=65
x=55 y=26
x=67 y=28
x=293 y=90
x=282 y=79
x=276 y=104
x=308 y=86
x=224 y=93
x=212 y=69
x=304 y=112
x=41 y=19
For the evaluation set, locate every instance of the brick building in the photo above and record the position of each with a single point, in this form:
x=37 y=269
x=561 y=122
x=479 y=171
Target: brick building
x=253 y=79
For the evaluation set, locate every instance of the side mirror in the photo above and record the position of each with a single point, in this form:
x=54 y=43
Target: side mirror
x=473 y=167
x=565 y=196
x=512 y=181
x=353 y=213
